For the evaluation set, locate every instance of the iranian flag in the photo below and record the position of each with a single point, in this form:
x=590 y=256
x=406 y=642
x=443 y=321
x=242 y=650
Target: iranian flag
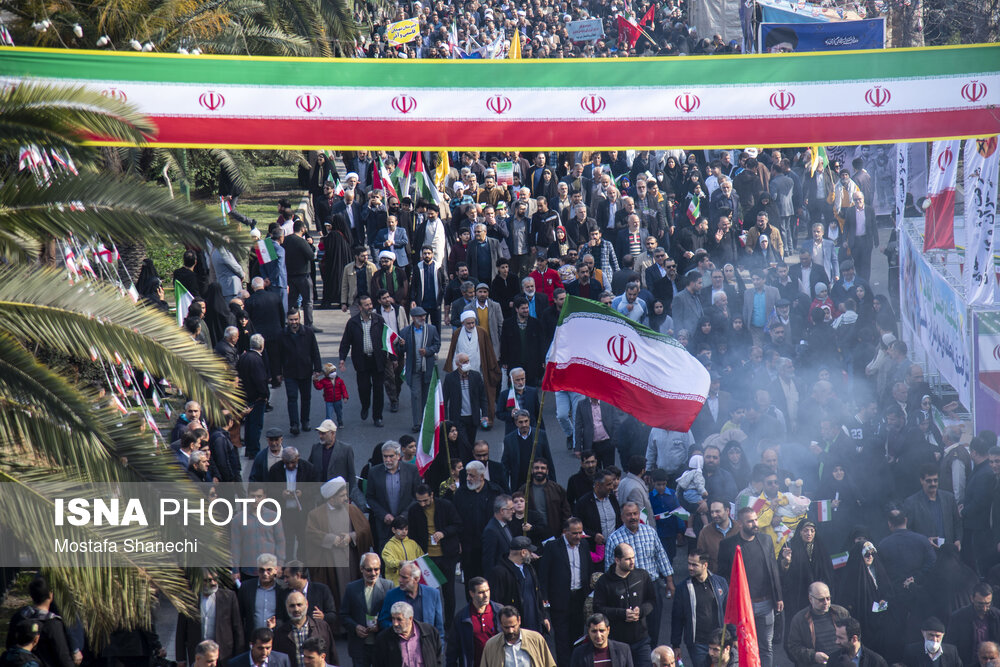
x=511 y=400
x=266 y=252
x=430 y=575
x=338 y=189
x=430 y=427
x=739 y=612
x=605 y=355
x=389 y=338
x=402 y=174
x=824 y=510
x=381 y=180
x=939 y=222
x=182 y=299
x=839 y=560
x=694 y=209
x=425 y=184
x=757 y=504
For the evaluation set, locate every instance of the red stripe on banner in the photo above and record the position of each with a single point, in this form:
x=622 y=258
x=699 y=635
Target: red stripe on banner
x=557 y=134
x=939 y=225
x=667 y=413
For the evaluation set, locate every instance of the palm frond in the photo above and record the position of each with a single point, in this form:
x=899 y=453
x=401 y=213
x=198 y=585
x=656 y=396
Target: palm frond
x=111 y=207
x=62 y=116
x=40 y=306
x=239 y=170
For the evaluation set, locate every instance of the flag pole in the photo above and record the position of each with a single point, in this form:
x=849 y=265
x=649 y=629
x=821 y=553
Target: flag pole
x=534 y=446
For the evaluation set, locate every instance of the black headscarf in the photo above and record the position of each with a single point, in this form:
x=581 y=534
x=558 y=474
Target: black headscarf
x=217 y=313
x=808 y=565
x=148 y=280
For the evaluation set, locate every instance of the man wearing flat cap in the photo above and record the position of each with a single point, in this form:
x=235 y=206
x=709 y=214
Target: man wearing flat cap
x=932 y=651
x=337 y=533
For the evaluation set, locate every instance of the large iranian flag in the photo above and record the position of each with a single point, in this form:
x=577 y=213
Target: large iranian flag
x=824 y=98
x=430 y=427
x=939 y=220
x=602 y=354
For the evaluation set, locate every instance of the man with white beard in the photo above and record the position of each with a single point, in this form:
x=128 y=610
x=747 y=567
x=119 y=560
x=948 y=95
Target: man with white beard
x=474 y=502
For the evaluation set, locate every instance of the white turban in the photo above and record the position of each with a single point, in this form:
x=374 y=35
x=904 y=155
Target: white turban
x=469 y=314
x=330 y=489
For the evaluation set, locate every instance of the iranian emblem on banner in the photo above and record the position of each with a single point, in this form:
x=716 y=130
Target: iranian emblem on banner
x=982 y=160
x=939 y=219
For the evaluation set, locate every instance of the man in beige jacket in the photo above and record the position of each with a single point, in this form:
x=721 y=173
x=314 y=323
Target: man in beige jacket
x=523 y=646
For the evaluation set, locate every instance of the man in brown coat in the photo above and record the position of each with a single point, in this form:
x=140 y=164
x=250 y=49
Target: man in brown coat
x=337 y=533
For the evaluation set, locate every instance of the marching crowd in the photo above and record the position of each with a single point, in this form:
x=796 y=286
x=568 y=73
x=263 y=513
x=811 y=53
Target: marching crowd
x=864 y=518
x=476 y=29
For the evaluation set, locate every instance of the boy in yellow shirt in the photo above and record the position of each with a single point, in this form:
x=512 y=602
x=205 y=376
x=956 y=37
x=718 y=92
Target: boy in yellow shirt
x=399 y=549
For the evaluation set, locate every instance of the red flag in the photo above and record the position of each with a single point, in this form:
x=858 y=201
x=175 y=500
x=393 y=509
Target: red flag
x=648 y=16
x=627 y=31
x=739 y=612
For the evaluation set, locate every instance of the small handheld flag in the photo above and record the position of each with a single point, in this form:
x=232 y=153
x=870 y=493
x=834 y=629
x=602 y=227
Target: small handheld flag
x=389 y=339
x=265 y=250
x=839 y=560
x=824 y=510
x=430 y=575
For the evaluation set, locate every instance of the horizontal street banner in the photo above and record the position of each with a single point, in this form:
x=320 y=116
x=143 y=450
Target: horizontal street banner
x=694 y=102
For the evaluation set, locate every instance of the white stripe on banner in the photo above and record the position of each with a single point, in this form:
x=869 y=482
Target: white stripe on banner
x=595 y=104
x=982 y=160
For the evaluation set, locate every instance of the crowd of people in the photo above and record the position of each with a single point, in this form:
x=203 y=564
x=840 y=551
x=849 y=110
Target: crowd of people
x=476 y=29
x=863 y=513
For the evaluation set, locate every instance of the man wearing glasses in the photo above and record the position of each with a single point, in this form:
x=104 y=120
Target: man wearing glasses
x=661 y=275
x=812 y=634
x=359 y=609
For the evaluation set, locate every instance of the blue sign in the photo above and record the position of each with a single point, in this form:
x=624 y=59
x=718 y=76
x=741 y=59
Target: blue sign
x=831 y=36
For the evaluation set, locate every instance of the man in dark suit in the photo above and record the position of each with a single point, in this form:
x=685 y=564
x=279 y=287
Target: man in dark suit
x=267 y=315
x=318 y=596
x=598 y=638
x=463 y=651
x=714 y=412
x=293 y=474
x=384 y=507
x=517 y=449
x=564 y=577
x=367 y=356
x=528 y=355
x=253 y=374
x=525 y=398
x=806 y=274
x=464 y=387
x=428 y=283
x=932 y=652
x=584 y=429
x=350 y=210
x=758 y=554
x=660 y=277
x=259 y=597
x=597 y=524
x=931 y=504
x=421 y=344
x=442 y=545
x=358 y=607
x=514 y=581
x=962 y=626
x=221 y=603
x=261 y=653
x=286 y=636
x=330 y=458
x=849 y=639
x=300 y=362
x=496 y=535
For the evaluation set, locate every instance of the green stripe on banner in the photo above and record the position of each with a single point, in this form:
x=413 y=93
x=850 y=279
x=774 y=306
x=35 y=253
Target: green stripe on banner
x=575 y=306
x=394 y=73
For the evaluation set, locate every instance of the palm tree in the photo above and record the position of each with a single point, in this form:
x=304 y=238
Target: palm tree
x=55 y=428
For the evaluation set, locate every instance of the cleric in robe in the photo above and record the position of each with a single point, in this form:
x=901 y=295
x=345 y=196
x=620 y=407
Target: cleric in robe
x=474 y=341
x=337 y=534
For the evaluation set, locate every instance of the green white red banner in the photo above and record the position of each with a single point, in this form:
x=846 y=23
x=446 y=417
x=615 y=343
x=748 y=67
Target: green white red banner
x=714 y=101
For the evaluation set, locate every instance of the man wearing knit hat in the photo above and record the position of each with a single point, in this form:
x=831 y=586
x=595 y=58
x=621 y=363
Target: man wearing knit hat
x=932 y=651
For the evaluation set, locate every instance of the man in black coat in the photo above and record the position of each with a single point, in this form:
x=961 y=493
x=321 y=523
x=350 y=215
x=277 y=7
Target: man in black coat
x=267 y=315
x=515 y=582
x=357 y=608
x=363 y=340
x=443 y=544
x=521 y=342
x=456 y=385
x=564 y=574
x=300 y=257
x=319 y=597
x=387 y=644
x=758 y=556
x=272 y=595
x=252 y=372
x=525 y=398
x=461 y=651
x=383 y=509
x=496 y=537
x=598 y=638
x=517 y=448
x=595 y=524
x=228 y=623
x=962 y=630
x=300 y=361
x=849 y=639
x=292 y=474
x=932 y=651
x=660 y=277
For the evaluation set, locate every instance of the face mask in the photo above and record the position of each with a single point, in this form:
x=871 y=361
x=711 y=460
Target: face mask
x=932 y=646
x=464 y=367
